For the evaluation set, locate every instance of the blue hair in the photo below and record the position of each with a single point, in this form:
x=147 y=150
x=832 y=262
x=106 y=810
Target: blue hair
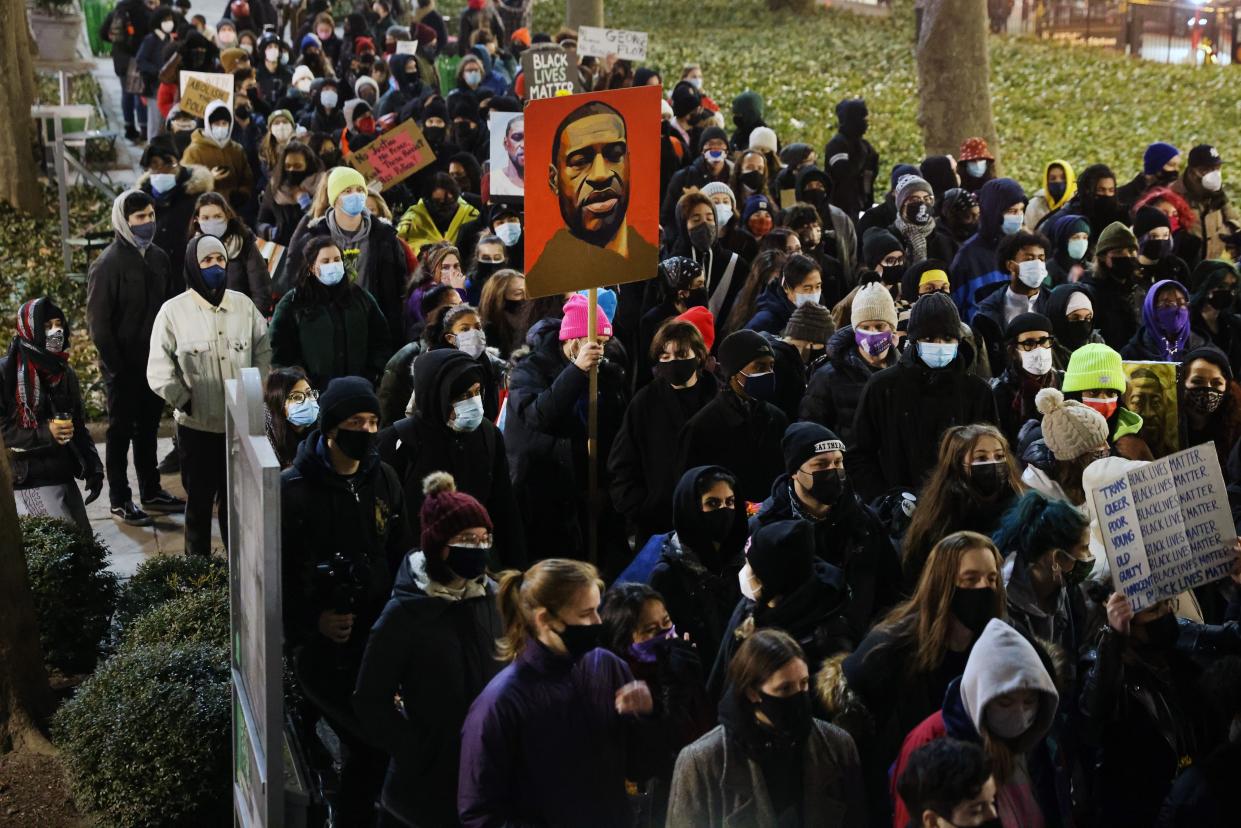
x=1036 y=524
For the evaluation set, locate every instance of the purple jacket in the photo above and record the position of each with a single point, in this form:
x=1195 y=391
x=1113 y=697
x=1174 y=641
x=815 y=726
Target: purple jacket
x=543 y=745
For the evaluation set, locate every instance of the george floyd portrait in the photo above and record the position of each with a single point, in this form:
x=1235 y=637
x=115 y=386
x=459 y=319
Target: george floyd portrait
x=508 y=153
x=592 y=190
x=1151 y=394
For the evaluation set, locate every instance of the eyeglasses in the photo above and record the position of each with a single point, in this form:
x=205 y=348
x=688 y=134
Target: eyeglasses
x=299 y=397
x=499 y=260
x=483 y=539
x=1031 y=344
x=1168 y=304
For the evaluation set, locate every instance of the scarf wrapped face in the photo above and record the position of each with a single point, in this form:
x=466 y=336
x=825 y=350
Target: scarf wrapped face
x=33 y=363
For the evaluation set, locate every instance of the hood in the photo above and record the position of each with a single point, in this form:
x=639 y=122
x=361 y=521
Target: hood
x=1058 y=231
x=119 y=222
x=1178 y=338
x=480 y=51
x=940 y=173
x=996 y=196
x=196 y=40
x=1002 y=661
x=808 y=174
x=396 y=67
x=851 y=117
x=194 y=273
x=435 y=372
x=1097 y=474
x=212 y=108
x=1207 y=276
x=1058 y=303
x=687 y=519
x=840 y=343
x=748 y=108
x=1086 y=184
x=1070 y=184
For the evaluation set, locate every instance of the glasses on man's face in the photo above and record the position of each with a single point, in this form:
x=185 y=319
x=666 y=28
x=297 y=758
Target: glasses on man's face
x=1171 y=304
x=1031 y=344
x=299 y=397
x=474 y=539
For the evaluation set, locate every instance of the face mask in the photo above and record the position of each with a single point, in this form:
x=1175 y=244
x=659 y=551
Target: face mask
x=513 y=306
x=509 y=233
x=975 y=169
x=328 y=99
x=1076 y=333
x=827 y=485
x=800 y=299
x=973 y=607
x=1212 y=181
x=214 y=227
x=761 y=386
x=676 y=371
x=1079 y=573
x=225 y=38
x=702 y=236
x=272 y=53
x=144 y=234
x=717 y=525
x=697 y=298
x=1171 y=321
x=220 y=132
x=167 y=26
x=1222 y=299
x=213 y=277
x=302 y=86
x=1036 y=362
x=1162 y=632
x=1076 y=248
x=988 y=478
x=1156 y=249
x=760 y=225
x=330 y=273
x=468 y=562
x=54 y=341
x=647 y=652
x=580 y=639
x=282 y=132
x=468 y=414
x=1056 y=190
x=1105 y=406
x=1011 y=721
x=473 y=78
x=303 y=413
x=1204 y=400
x=937 y=354
x=696 y=83
x=873 y=343
x=355 y=445
x=917 y=213
x=789 y=715
x=1031 y=273
x=1122 y=269
x=434 y=134
x=751 y=586
x=1011 y=224
x=354 y=204
x=471 y=342
x=752 y=179
x=163 y=182
x=714 y=156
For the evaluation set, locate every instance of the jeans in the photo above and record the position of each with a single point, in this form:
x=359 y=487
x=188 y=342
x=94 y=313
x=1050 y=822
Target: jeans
x=133 y=417
x=203 y=471
x=134 y=110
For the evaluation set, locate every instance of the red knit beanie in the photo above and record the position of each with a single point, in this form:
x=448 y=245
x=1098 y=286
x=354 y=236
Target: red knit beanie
x=445 y=512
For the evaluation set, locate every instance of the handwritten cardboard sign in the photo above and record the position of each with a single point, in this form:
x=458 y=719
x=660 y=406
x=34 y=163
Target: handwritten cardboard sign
x=598 y=42
x=198 y=89
x=1167 y=526
x=549 y=71
x=407 y=47
x=394 y=156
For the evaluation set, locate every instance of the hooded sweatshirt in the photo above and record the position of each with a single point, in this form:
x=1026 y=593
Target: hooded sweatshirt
x=1061 y=267
x=1042 y=202
x=1165 y=335
x=206 y=151
x=975 y=272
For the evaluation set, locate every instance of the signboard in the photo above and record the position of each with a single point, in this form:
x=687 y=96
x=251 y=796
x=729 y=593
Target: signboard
x=394 y=156
x=407 y=47
x=1167 y=526
x=1151 y=393
x=201 y=88
x=549 y=71
x=596 y=42
x=508 y=153
x=592 y=200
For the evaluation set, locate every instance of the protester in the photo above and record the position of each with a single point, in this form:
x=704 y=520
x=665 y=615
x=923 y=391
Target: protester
x=1213 y=306
x=294 y=180
x=801 y=281
x=459 y=327
x=291 y=411
x=246 y=271
x=915 y=222
x=438 y=216
x=976 y=266
x=1096 y=378
x=213 y=147
x=1069 y=235
x=1028 y=369
x=1070 y=437
x=1201 y=185
x=948 y=782
x=1212 y=409
x=851 y=160
x=1059 y=185
x=1113 y=283
x=1070 y=310
x=1022 y=259
x=975 y=164
x=682 y=284
x=175 y=189
x=1165 y=333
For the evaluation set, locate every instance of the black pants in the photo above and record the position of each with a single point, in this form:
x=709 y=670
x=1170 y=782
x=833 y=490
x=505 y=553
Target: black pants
x=203 y=472
x=133 y=417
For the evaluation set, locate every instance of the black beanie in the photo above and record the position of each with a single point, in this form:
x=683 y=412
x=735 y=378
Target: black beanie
x=877 y=243
x=435 y=108
x=934 y=316
x=711 y=133
x=740 y=348
x=781 y=554
x=1212 y=355
x=1147 y=219
x=804 y=440
x=344 y=397
x=685 y=99
x=1026 y=322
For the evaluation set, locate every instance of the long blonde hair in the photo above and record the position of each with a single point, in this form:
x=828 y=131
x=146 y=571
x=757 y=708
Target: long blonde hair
x=550 y=584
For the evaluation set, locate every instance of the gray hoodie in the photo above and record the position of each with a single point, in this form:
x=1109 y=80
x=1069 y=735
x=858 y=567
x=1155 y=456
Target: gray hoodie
x=1003 y=661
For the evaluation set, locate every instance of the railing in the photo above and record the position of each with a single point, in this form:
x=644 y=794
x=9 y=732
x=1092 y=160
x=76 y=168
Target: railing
x=1148 y=29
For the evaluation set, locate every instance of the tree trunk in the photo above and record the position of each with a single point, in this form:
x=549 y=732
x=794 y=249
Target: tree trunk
x=18 y=183
x=24 y=693
x=954 y=71
x=576 y=13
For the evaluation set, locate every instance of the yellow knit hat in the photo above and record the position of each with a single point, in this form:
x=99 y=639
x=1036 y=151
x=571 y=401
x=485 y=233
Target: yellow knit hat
x=340 y=179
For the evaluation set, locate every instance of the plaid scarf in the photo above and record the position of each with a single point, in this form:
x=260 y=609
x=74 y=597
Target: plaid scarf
x=34 y=364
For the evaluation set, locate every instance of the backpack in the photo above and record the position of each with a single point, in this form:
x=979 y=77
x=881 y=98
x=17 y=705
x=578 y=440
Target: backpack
x=119 y=27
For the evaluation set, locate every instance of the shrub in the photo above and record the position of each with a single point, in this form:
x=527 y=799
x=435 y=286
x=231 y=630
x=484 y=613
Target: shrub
x=146 y=740
x=74 y=593
x=166 y=577
x=195 y=618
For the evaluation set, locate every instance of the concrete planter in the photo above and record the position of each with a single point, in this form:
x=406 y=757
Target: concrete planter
x=55 y=35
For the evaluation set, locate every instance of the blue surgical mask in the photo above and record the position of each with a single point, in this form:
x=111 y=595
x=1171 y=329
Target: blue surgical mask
x=977 y=167
x=937 y=354
x=330 y=273
x=468 y=414
x=473 y=78
x=163 y=182
x=304 y=413
x=509 y=232
x=354 y=204
x=213 y=276
x=1011 y=224
x=1077 y=248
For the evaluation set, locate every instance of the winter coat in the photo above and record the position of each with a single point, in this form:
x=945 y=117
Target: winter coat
x=247 y=272
x=138 y=18
x=834 y=389
x=974 y=271
x=175 y=208
x=939 y=244
x=838 y=227
x=688 y=179
x=397 y=385
x=279 y=211
x=1217 y=218
x=238 y=184
x=854 y=166
x=544 y=745
x=1144 y=346
x=643 y=458
x=125 y=289
x=420 y=636
x=715 y=783
x=901 y=417
x=990 y=326
x=1227 y=333
x=344 y=336
x=196 y=346
x=743 y=436
x=418 y=445
x=1115 y=312
x=493 y=376
x=772 y=311
x=36 y=458
x=1206 y=793
x=1013 y=413
x=791 y=375
x=418 y=229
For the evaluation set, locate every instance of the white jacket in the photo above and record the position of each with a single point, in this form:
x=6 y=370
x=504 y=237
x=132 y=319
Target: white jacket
x=195 y=346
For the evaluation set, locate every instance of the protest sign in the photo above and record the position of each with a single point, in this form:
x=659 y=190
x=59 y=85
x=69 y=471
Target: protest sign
x=406 y=47
x=596 y=42
x=508 y=153
x=548 y=70
x=1151 y=394
x=201 y=88
x=394 y=156
x=1167 y=526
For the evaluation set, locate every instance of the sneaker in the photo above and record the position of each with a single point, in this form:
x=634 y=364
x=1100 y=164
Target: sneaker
x=171 y=464
x=131 y=515
x=164 y=501
x=131 y=134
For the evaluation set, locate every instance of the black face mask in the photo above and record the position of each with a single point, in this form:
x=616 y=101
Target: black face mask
x=467 y=561
x=716 y=525
x=1165 y=177
x=752 y=179
x=1123 y=269
x=355 y=445
x=816 y=199
x=434 y=134
x=580 y=639
x=676 y=371
x=916 y=213
x=1161 y=634
x=988 y=478
x=441 y=209
x=789 y=715
x=702 y=236
x=1076 y=333
x=513 y=305
x=1055 y=189
x=1156 y=249
x=974 y=607
x=827 y=485
x=485 y=270
x=1104 y=205
x=1204 y=400
x=892 y=274
x=697 y=298
x=295 y=177
x=1222 y=299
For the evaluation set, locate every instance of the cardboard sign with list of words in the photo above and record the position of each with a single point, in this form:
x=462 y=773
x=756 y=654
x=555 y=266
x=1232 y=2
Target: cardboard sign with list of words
x=394 y=156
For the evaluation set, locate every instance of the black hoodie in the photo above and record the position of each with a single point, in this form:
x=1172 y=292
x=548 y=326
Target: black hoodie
x=851 y=160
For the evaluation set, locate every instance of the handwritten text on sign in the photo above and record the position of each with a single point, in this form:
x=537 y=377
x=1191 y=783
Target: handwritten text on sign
x=393 y=156
x=548 y=71
x=198 y=89
x=1167 y=526
x=593 y=41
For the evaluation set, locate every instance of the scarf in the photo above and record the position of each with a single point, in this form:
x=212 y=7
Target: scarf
x=34 y=365
x=916 y=235
x=1028 y=386
x=359 y=240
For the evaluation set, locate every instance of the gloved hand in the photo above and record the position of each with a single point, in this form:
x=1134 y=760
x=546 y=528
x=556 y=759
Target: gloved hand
x=94 y=485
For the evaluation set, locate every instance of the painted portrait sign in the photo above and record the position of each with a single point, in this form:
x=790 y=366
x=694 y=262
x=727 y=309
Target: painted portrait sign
x=1152 y=394
x=508 y=153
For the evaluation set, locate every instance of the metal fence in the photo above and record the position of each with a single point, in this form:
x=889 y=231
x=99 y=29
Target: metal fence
x=1148 y=29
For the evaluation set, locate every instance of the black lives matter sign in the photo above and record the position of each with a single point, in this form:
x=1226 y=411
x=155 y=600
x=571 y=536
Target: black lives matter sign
x=549 y=72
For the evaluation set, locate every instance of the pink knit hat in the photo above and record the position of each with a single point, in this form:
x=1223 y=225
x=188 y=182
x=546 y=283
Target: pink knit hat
x=574 y=324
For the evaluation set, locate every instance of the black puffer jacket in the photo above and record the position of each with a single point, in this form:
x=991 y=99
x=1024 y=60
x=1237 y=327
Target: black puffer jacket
x=832 y=396
x=174 y=209
x=743 y=436
x=125 y=288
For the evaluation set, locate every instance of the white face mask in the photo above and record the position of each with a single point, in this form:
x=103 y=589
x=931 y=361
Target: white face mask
x=282 y=132
x=800 y=299
x=1036 y=362
x=303 y=85
x=328 y=98
x=509 y=232
x=1010 y=721
x=272 y=53
x=221 y=132
x=723 y=214
x=167 y=26
x=1213 y=180
x=214 y=227
x=751 y=586
x=1032 y=273
x=471 y=342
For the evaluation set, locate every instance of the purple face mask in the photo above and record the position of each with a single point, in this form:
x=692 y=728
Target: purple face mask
x=1172 y=321
x=873 y=343
x=647 y=651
